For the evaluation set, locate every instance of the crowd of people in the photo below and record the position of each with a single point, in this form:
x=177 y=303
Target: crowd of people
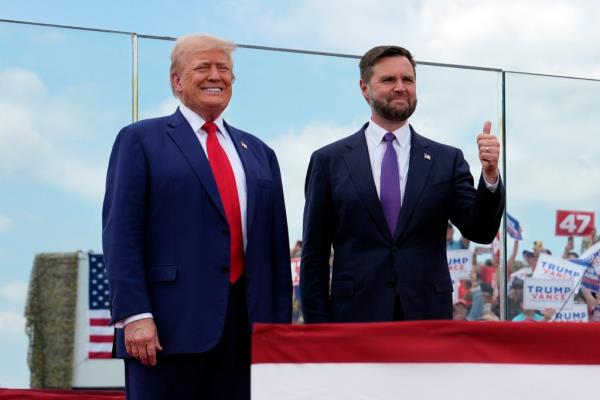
x=479 y=297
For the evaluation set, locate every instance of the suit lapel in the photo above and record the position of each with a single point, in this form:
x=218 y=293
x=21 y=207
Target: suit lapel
x=359 y=167
x=247 y=159
x=184 y=137
x=418 y=171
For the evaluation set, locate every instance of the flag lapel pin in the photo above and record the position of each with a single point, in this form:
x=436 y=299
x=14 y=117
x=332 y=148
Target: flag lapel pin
x=244 y=145
x=427 y=156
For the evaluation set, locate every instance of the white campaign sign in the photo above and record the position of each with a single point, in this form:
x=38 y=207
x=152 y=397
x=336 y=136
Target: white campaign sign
x=579 y=313
x=459 y=264
x=549 y=267
x=539 y=294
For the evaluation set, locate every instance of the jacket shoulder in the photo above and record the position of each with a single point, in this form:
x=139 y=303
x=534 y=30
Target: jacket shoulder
x=340 y=146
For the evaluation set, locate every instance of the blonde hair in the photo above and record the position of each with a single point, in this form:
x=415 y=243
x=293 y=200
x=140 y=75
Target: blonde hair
x=197 y=42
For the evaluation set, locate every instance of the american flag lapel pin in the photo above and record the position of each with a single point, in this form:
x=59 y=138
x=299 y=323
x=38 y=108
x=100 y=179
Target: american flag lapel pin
x=244 y=145
x=427 y=156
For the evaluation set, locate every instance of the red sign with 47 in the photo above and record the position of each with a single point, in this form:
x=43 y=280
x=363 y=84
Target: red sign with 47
x=574 y=223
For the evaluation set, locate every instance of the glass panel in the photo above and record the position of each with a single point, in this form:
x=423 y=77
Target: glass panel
x=298 y=103
x=453 y=105
x=63 y=96
x=552 y=165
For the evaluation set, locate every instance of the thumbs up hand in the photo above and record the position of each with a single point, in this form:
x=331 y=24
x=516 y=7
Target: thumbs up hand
x=489 y=153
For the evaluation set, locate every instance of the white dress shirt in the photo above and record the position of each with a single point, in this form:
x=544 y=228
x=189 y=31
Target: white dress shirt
x=196 y=122
x=376 y=146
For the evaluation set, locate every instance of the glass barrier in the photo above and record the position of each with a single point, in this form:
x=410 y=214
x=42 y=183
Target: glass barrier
x=64 y=94
x=551 y=157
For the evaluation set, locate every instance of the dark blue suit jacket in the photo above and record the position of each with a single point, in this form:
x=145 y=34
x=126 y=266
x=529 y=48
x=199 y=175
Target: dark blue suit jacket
x=166 y=239
x=370 y=264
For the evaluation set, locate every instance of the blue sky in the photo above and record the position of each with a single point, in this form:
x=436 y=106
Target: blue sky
x=64 y=94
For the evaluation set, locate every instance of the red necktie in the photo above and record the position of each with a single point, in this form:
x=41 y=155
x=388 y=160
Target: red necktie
x=225 y=179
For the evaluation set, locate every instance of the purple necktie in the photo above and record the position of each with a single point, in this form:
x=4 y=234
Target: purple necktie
x=389 y=183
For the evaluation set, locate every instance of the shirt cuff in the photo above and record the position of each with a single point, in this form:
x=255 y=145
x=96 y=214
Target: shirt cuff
x=491 y=186
x=123 y=322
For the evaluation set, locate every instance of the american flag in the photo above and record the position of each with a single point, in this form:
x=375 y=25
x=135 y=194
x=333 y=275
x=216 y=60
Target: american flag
x=513 y=227
x=101 y=334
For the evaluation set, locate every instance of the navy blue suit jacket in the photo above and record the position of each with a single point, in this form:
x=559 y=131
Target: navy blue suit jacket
x=371 y=265
x=166 y=240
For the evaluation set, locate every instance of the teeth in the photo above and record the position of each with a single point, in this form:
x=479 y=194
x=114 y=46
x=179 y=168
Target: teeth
x=212 y=90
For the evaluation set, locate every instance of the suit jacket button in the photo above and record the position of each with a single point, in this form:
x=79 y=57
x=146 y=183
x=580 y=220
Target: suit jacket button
x=225 y=232
x=394 y=248
x=391 y=284
x=225 y=270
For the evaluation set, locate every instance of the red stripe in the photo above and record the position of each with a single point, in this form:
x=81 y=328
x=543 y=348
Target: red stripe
x=428 y=342
x=99 y=322
x=99 y=354
x=101 y=339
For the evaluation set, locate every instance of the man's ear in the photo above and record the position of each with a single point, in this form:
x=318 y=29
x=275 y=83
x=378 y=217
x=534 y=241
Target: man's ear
x=364 y=89
x=175 y=81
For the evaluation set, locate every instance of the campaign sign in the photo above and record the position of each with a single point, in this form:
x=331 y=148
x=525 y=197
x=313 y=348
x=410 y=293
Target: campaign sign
x=455 y=283
x=574 y=223
x=295 y=271
x=549 y=267
x=539 y=294
x=591 y=260
x=579 y=313
x=459 y=264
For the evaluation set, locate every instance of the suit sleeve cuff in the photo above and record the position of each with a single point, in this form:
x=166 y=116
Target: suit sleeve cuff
x=492 y=187
x=123 y=322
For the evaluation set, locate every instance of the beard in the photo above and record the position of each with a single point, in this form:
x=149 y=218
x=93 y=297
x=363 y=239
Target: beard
x=396 y=114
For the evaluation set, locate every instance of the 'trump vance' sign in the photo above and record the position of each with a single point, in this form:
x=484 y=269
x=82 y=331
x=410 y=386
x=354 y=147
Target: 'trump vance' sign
x=459 y=264
x=539 y=294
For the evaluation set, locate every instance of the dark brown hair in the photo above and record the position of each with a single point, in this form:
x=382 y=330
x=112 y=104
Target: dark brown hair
x=372 y=56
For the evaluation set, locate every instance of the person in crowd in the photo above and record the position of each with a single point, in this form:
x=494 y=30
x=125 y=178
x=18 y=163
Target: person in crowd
x=195 y=238
x=382 y=197
x=515 y=298
x=534 y=315
x=451 y=244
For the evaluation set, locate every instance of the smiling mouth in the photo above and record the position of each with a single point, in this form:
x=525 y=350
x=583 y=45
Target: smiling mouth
x=212 y=90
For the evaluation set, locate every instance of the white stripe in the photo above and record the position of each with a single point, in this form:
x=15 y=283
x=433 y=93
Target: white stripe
x=102 y=330
x=99 y=314
x=387 y=381
x=98 y=347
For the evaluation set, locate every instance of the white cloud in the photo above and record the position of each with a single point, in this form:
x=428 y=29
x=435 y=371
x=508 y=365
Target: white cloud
x=293 y=149
x=166 y=107
x=6 y=223
x=36 y=132
x=14 y=292
x=557 y=37
x=11 y=322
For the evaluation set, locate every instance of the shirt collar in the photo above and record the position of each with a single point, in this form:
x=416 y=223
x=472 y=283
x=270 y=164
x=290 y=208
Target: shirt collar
x=196 y=121
x=375 y=134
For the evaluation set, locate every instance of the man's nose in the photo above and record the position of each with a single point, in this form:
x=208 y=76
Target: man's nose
x=213 y=73
x=399 y=86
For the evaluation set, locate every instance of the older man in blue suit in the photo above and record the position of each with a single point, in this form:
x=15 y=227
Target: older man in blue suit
x=195 y=238
x=382 y=198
